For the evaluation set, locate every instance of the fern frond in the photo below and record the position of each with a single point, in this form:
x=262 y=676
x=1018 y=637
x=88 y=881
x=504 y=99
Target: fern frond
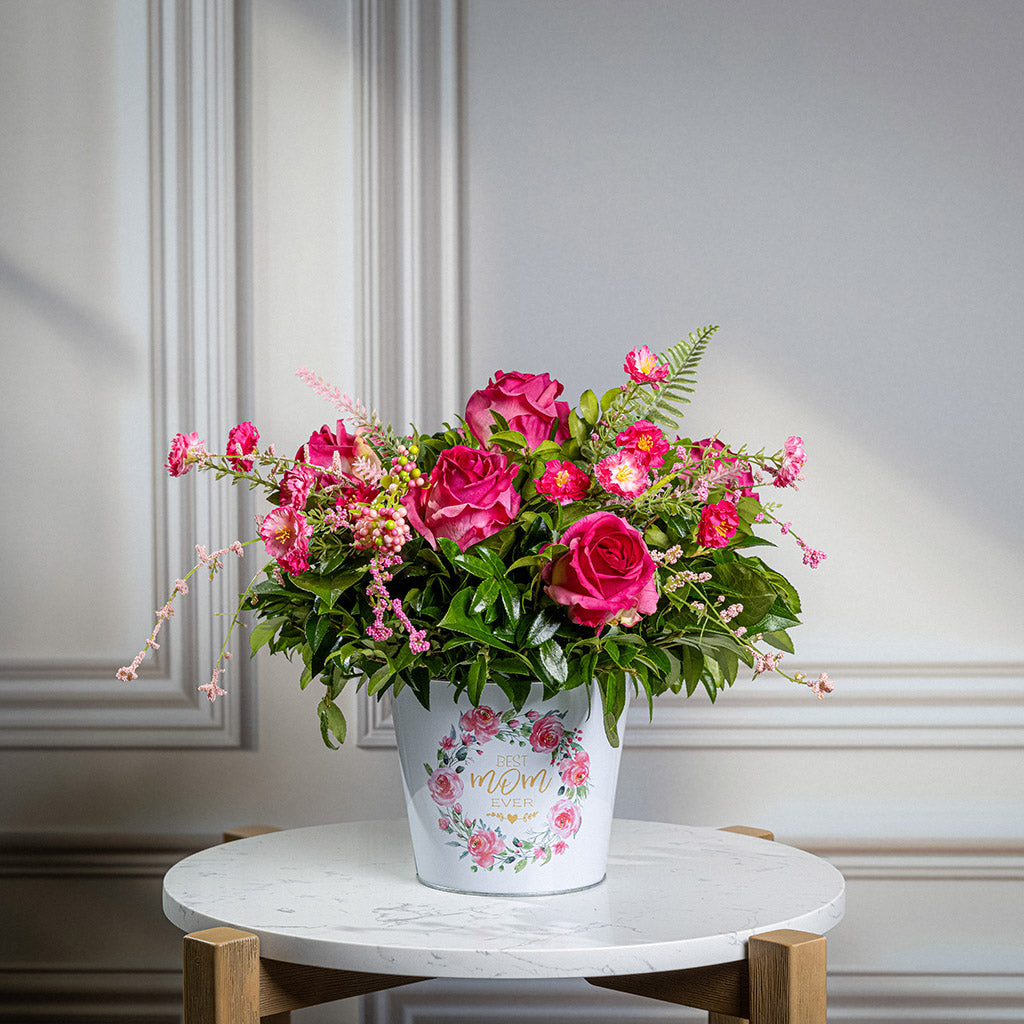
x=666 y=403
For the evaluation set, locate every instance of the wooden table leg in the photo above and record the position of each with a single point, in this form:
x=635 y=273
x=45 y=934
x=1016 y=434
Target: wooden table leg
x=221 y=977
x=787 y=978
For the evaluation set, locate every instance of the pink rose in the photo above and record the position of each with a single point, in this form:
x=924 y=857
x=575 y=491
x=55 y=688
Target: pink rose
x=546 y=735
x=468 y=497
x=186 y=449
x=484 y=846
x=335 y=453
x=241 y=442
x=445 y=787
x=606 y=575
x=444 y=824
x=527 y=403
x=725 y=469
x=575 y=770
x=718 y=524
x=482 y=722
x=286 y=534
x=565 y=818
x=560 y=847
x=563 y=482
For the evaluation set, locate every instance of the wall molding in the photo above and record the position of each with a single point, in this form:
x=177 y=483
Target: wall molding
x=876 y=705
x=409 y=243
x=194 y=366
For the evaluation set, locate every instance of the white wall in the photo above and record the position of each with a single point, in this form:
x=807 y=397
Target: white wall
x=839 y=186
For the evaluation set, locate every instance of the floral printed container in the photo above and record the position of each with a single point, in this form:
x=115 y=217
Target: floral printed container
x=504 y=802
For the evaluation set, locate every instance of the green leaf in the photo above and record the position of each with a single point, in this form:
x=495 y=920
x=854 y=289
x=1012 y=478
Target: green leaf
x=552 y=661
x=544 y=625
x=379 y=679
x=332 y=721
x=578 y=428
x=779 y=638
x=459 y=619
x=263 y=632
x=328 y=588
x=511 y=600
x=590 y=408
x=692 y=667
x=477 y=678
x=485 y=595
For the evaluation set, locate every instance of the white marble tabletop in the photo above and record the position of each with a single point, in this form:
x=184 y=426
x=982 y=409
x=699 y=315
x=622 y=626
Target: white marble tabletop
x=346 y=896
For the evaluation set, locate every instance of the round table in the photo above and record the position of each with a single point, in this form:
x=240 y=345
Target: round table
x=346 y=897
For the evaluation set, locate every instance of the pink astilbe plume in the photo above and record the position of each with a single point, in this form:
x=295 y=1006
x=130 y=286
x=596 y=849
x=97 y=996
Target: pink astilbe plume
x=361 y=417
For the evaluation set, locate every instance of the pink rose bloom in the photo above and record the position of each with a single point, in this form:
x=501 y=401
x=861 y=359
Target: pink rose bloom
x=484 y=846
x=186 y=449
x=563 y=482
x=468 y=497
x=607 y=573
x=645 y=440
x=444 y=824
x=625 y=473
x=526 y=401
x=447 y=742
x=445 y=787
x=718 y=524
x=546 y=735
x=564 y=817
x=334 y=452
x=575 y=770
x=297 y=482
x=286 y=534
x=482 y=722
x=725 y=468
x=642 y=366
x=560 y=847
x=241 y=442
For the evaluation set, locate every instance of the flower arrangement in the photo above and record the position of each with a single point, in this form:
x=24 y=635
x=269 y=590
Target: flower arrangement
x=530 y=541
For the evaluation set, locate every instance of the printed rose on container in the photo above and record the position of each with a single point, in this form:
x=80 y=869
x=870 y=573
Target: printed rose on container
x=531 y=540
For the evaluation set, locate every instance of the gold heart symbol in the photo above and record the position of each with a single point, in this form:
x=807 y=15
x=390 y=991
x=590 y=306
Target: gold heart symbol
x=513 y=818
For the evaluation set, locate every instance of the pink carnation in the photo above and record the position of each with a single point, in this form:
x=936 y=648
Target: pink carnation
x=186 y=449
x=625 y=473
x=642 y=366
x=793 y=461
x=241 y=442
x=645 y=440
x=563 y=482
x=286 y=534
x=297 y=482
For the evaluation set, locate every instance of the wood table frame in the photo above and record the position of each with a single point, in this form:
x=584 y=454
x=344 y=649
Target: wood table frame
x=226 y=981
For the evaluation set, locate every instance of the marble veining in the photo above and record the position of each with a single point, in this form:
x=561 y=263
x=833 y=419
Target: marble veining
x=347 y=896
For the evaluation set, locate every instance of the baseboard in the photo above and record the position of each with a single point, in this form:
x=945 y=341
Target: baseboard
x=55 y=996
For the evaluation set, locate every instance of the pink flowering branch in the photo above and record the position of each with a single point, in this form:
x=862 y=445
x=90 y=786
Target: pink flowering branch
x=128 y=673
